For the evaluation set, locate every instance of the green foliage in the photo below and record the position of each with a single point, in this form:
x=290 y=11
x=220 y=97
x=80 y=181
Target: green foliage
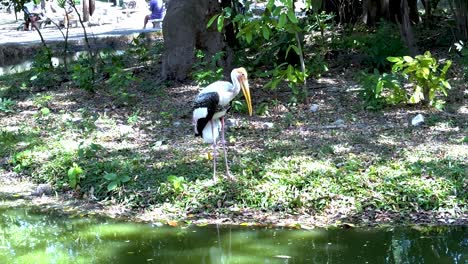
x=42 y=100
x=239 y=106
x=120 y=80
x=376 y=46
x=177 y=183
x=206 y=70
x=293 y=76
x=23 y=160
x=74 y=174
x=281 y=36
x=44 y=111
x=133 y=118
x=42 y=70
x=6 y=105
x=115 y=180
x=424 y=74
x=83 y=73
x=262 y=109
x=138 y=49
x=88 y=152
x=380 y=90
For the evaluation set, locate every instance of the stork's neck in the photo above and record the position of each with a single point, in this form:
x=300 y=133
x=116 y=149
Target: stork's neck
x=235 y=84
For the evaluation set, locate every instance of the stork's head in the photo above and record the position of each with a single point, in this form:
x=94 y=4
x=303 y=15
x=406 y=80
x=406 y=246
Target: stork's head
x=241 y=76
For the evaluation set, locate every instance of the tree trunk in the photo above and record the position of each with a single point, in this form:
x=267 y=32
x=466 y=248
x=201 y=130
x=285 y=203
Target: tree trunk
x=406 y=30
x=184 y=31
x=85 y=11
x=375 y=10
x=413 y=11
x=92 y=6
x=460 y=11
x=429 y=6
x=346 y=11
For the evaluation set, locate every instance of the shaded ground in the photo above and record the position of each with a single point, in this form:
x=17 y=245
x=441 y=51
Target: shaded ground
x=341 y=164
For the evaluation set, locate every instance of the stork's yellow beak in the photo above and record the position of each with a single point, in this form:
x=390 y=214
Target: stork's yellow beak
x=246 y=91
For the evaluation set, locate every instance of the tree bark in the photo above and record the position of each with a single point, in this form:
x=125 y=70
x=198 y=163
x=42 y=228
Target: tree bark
x=406 y=30
x=92 y=6
x=184 y=31
x=346 y=11
x=375 y=10
x=460 y=11
x=85 y=11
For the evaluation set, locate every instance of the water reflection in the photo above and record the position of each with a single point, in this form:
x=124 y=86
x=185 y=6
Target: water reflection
x=30 y=236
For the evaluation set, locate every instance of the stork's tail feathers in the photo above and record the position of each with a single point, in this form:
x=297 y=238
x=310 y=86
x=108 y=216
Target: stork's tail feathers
x=210 y=134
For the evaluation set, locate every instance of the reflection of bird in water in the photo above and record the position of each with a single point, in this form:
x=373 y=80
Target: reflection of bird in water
x=211 y=105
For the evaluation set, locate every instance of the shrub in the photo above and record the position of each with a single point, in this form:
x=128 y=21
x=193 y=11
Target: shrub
x=424 y=73
x=380 y=90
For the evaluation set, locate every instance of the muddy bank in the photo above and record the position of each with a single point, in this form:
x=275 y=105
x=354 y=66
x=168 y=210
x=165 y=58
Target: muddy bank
x=11 y=54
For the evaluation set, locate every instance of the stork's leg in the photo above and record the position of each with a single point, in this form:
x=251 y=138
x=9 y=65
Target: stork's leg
x=214 y=151
x=224 y=147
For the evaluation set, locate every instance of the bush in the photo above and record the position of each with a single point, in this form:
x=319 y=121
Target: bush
x=83 y=73
x=380 y=90
x=423 y=72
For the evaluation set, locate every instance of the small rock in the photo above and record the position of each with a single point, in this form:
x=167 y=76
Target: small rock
x=339 y=122
x=124 y=129
x=314 y=108
x=176 y=123
x=42 y=189
x=232 y=122
x=268 y=125
x=66 y=117
x=281 y=108
x=417 y=120
x=76 y=119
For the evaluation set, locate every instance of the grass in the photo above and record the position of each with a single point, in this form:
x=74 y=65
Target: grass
x=277 y=170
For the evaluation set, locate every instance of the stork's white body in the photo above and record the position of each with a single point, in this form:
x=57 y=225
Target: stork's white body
x=210 y=107
x=226 y=92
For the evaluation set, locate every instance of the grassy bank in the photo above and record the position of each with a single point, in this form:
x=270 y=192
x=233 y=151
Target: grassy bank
x=139 y=153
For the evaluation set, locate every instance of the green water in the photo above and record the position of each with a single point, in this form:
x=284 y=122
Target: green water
x=30 y=236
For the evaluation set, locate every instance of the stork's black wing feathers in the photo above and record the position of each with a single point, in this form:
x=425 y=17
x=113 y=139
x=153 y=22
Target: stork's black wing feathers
x=209 y=101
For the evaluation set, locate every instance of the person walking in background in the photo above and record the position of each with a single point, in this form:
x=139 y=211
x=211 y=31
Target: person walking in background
x=32 y=13
x=157 y=11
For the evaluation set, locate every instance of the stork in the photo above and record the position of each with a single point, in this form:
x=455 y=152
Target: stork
x=212 y=104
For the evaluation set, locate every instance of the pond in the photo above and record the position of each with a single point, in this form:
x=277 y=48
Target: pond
x=25 y=64
x=31 y=235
